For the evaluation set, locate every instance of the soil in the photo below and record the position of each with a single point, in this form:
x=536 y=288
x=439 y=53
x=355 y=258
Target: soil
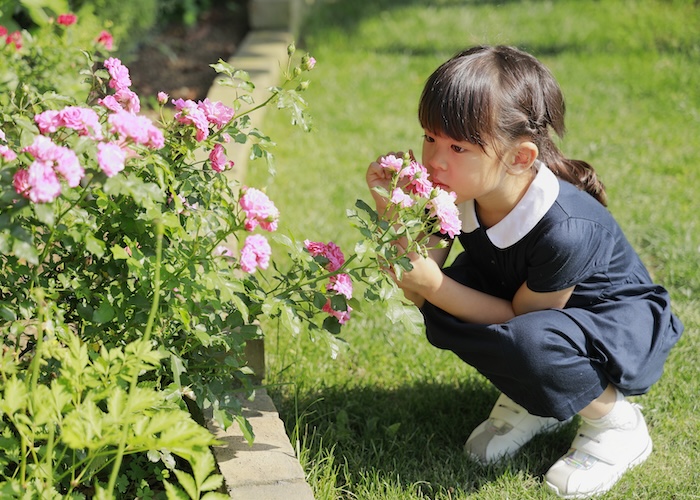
x=176 y=59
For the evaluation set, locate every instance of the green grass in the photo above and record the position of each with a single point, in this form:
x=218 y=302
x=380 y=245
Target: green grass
x=387 y=417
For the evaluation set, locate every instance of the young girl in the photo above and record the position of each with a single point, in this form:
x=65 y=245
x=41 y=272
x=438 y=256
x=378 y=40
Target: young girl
x=548 y=301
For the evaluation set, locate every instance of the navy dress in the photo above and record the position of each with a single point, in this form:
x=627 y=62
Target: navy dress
x=617 y=327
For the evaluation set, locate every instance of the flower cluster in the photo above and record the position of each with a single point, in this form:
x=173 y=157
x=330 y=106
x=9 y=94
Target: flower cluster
x=40 y=181
x=124 y=130
x=14 y=38
x=202 y=115
x=416 y=209
x=331 y=257
x=411 y=184
x=260 y=211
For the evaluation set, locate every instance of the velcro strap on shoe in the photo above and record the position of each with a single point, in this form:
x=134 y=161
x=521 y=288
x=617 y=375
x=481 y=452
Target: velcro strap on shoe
x=592 y=445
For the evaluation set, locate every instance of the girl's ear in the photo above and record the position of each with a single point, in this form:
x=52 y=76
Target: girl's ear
x=524 y=155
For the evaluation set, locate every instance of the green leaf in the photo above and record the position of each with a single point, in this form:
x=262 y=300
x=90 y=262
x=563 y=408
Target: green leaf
x=203 y=465
x=119 y=253
x=187 y=482
x=14 y=396
x=45 y=213
x=23 y=250
x=246 y=429
x=94 y=246
x=104 y=314
x=173 y=492
x=212 y=495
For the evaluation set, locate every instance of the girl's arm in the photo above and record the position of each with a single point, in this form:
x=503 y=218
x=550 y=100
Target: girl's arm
x=426 y=281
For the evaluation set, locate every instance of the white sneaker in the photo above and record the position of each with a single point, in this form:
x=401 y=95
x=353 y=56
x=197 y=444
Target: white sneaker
x=599 y=456
x=507 y=429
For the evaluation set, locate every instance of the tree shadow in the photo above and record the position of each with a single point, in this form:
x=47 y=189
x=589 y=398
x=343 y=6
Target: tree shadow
x=410 y=435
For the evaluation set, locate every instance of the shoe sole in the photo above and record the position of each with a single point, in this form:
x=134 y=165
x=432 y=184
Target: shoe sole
x=607 y=486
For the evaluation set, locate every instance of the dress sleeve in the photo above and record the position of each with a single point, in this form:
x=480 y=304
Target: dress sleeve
x=569 y=253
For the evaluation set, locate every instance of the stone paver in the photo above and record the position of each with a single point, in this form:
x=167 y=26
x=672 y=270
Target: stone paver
x=267 y=470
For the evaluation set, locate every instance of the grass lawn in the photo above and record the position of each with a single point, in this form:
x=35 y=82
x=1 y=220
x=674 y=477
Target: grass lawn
x=387 y=416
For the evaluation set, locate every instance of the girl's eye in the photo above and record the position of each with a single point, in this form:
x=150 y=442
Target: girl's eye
x=428 y=138
x=458 y=149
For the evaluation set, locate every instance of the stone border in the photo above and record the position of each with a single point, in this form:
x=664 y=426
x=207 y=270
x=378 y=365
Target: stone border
x=269 y=469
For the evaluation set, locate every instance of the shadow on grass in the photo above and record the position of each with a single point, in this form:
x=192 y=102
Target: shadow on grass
x=410 y=436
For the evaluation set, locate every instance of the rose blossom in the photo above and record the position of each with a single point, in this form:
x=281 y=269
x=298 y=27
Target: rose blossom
x=218 y=159
x=111 y=158
x=7 y=153
x=61 y=158
x=128 y=100
x=443 y=207
x=222 y=251
x=258 y=209
x=391 y=162
x=255 y=253
x=83 y=120
x=190 y=114
x=216 y=113
x=67 y=19
x=43 y=185
x=400 y=198
x=342 y=284
x=106 y=39
x=330 y=251
x=420 y=183
x=119 y=74
x=138 y=128
x=342 y=316
x=20 y=181
x=14 y=38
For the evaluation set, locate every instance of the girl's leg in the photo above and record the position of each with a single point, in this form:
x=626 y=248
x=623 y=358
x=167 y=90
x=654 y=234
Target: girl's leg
x=543 y=375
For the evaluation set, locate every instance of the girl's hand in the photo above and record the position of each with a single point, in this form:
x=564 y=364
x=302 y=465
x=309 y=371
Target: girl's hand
x=421 y=281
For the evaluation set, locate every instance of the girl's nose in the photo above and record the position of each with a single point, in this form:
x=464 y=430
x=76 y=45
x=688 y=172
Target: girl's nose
x=434 y=161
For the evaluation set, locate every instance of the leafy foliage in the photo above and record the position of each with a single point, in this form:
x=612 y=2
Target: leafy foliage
x=123 y=292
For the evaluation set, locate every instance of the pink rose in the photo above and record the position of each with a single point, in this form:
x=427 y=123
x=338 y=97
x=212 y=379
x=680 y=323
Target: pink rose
x=106 y=39
x=119 y=74
x=255 y=253
x=443 y=207
x=7 y=153
x=258 y=209
x=342 y=284
x=331 y=252
x=218 y=159
x=111 y=158
x=342 y=316
x=67 y=19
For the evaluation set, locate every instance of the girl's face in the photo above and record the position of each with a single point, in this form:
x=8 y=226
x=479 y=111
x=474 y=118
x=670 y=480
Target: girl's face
x=464 y=168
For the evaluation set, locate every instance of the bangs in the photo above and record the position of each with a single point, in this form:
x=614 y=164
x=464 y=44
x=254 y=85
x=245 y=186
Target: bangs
x=456 y=103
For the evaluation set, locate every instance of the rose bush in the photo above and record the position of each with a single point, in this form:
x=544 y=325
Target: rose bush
x=129 y=276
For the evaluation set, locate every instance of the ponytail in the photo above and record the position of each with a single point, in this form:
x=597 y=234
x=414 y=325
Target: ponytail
x=578 y=172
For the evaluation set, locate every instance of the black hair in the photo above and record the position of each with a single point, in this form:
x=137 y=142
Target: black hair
x=503 y=94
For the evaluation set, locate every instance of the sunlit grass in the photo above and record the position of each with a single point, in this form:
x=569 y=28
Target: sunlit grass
x=387 y=418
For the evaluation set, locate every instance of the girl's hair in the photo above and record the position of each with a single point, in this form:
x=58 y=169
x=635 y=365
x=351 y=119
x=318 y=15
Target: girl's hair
x=502 y=94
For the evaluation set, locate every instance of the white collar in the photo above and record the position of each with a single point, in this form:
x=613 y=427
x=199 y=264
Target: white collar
x=538 y=199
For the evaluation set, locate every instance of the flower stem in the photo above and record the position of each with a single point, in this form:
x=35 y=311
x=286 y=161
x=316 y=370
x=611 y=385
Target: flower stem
x=146 y=337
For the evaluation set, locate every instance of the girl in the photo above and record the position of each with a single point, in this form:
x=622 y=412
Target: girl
x=548 y=301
